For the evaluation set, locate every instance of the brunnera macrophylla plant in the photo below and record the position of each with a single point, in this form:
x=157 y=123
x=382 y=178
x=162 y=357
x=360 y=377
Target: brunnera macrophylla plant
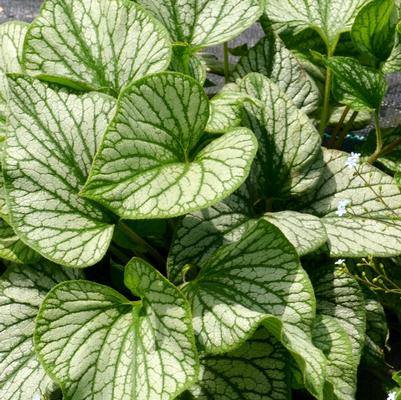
x=159 y=242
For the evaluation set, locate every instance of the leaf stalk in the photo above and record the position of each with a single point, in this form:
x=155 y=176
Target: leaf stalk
x=326 y=103
x=379 y=139
x=346 y=130
x=338 y=127
x=143 y=243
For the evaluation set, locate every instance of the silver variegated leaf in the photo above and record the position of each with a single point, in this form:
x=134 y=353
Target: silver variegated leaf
x=12 y=248
x=377 y=331
x=150 y=165
x=100 y=345
x=328 y=17
x=339 y=296
x=22 y=289
x=206 y=22
x=255 y=371
x=52 y=140
x=200 y=234
x=226 y=109
x=12 y=35
x=372 y=220
x=304 y=231
x=257 y=280
x=95 y=44
x=270 y=57
x=333 y=340
x=289 y=144
x=184 y=60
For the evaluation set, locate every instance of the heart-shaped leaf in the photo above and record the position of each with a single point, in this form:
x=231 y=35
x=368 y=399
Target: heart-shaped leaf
x=339 y=296
x=289 y=144
x=206 y=22
x=333 y=340
x=270 y=58
x=49 y=150
x=200 y=234
x=22 y=289
x=95 y=44
x=370 y=221
x=152 y=162
x=357 y=86
x=100 y=345
x=257 y=280
x=328 y=17
x=255 y=371
x=373 y=31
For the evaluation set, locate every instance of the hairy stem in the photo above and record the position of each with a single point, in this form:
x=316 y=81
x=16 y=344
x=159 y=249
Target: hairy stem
x=379 y=139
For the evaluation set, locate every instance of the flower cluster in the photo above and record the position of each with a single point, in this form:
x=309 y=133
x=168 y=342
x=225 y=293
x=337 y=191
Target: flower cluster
x=353 y=160
x=342 y=207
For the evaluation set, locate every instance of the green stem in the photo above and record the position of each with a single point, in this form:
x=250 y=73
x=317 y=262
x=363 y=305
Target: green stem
x=269 y=204
x=338 y=127
x=143 y=243
x=379 y=139
x=346 y=130
x=118 y=254
x=390 y=147
x=326 y=103
x=226 y=63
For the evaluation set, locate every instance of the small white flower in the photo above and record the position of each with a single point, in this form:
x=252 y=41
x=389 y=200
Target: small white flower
x=391 y=396
x=342 y=207
x=353 y=160
x=36 y=396
x=340 y=261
